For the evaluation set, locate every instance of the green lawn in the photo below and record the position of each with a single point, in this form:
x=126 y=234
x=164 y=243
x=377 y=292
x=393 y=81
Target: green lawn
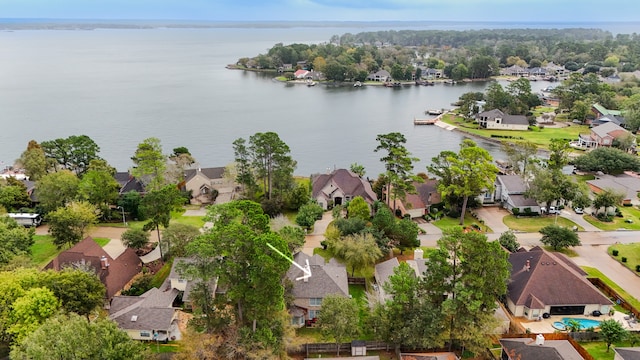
x=43 y=250
x=157 y=348
x=535 y=223
x=628 y=212
x=162 y=274
x=593 y=272
x=102 y=241
x=630 y=251
x=540 y=137
x=598 y=349
x=178 y=217
x=447 y=222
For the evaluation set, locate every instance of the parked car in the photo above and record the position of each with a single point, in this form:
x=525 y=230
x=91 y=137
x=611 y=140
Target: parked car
x=552 y=210
x=578 y=210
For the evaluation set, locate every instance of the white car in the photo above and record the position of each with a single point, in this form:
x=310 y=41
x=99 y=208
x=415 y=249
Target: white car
x=578 y=210
x=552 y=210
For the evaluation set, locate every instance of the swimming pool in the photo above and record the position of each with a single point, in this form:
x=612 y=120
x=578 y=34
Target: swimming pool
x=584 y=323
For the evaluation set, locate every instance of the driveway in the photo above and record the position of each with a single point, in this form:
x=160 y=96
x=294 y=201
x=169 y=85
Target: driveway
x=578 y=219
x=492 y=217
x=312 y=240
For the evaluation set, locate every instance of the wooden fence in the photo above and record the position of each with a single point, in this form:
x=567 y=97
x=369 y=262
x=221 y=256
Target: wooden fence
x=614 y=295
x=356 y=281
x=345 y=348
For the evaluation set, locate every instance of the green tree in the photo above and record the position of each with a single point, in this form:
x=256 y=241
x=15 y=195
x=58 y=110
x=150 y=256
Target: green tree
x=579 y=111
x=398 y=165
x=459 y=72
x=150 y=164
x=78 y=290
x=13 y=196
x=130 y=202
x=358 y=251
x=608 y=160
x=29 y=311
x=13 y=285
x=483 y=67
x=359 y=208
x=405 y=234
x=605 y=199
x=549 y=185
x=497 y=98
x=509 y=241
x=157 y=206
x=559 y=237
x=180 y=159
x=357 y=169
x=15 y=239
x=179 y=236
x=237 y=249
x=465 y=276
x=77 y=338
x=70 y=224
x=338 y=319
x=294 y=236
x=522 y=156
x=298 y=196
x=272 y=162
x=473 y=172
x=34 y=161
x=612 y=331
x=308 y=214
x=135 y=238
x=245 y=175
x=99 y=187
x=56 y=189
x=73 y=153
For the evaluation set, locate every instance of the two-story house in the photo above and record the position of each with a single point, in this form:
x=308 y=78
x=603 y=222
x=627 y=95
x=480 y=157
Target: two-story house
x=510 y=192
x=498 y=120
x=340 y=186
x=208 y=185
x=601 y=135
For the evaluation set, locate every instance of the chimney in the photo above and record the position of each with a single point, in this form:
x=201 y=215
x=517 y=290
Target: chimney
x=104 y=263
x=527 y=266
x=539 y=339
x=418 y=254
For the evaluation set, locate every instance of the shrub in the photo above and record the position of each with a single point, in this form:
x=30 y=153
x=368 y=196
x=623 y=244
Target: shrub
x=624 y=259
x=527 y=211
x=516 y=211
x=614 y=252
x=637 y=268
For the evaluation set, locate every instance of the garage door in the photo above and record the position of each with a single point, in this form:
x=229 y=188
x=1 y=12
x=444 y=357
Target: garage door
x=567 y=310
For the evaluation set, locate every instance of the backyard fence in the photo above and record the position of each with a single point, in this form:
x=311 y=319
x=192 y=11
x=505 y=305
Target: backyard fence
x=614 y=295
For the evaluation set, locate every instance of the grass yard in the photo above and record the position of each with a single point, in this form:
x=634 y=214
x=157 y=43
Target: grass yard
x=309 y=335
x=43 y=250
x=540 y=137
x=535 y=223
x=162 y=274
x=630 y=251
x=178 y=217
x=447 y=222
x=102 y=241
x=593 y=272
x=598 y=349
x=159 y=348
x=628 y=212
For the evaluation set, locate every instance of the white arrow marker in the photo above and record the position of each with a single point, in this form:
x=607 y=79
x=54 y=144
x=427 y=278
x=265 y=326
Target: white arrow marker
x=306 y=269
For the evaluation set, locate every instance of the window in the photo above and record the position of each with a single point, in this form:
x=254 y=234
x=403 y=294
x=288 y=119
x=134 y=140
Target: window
x=315 y=301
x=313 y=314
x=145 y=334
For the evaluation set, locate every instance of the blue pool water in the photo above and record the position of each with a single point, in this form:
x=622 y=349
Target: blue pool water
x=584 y=323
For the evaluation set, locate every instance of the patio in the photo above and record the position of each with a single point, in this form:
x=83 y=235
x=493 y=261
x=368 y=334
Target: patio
x=545 y=326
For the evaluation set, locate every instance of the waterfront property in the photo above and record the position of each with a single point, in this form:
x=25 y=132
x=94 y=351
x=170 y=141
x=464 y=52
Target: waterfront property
x=601 y=135
x=340 y=186
x=207 y=184
x=498 y=120
x=509 y=191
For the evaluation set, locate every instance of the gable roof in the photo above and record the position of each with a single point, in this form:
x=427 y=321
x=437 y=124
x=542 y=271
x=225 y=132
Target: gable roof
x=426 y=194
x=604 y=111
x=506 y=118
x=152 y=310
x=211 y=173
x=128 y=182
x=609 y=129
x=551 y=349
x=513 y=183
x=114 y=277
x=628 y=353
x=326 y=278
x=551 y=279
x=350 y=183
x=384 y=270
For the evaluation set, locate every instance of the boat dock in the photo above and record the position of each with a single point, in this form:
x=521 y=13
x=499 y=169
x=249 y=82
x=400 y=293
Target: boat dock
x=424 y=121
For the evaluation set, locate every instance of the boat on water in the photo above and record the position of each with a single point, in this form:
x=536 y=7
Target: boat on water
x=425 y=83
x=433 y=112
x=424 y=121
x=450 y=82
x=392 y=84
x=311 y=83
x=357 y=84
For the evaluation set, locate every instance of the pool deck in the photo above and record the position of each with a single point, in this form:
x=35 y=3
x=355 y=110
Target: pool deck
x=545 y=326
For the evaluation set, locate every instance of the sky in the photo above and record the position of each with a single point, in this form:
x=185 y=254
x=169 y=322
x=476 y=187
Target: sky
x=328 y=10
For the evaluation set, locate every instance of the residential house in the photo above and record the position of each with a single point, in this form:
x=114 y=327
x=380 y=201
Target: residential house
x=179 y=282
x=380 y=75
x=114 y=270
x=418 y=204
x=616 y=119
x=556 y=70
x=538 y=349
x=430 y=73
x=627 y=184
x=381 y=274
x=150 y=316
x=128 y=183
x=300 y=74
x=340 y=186
x=498 y=120
x=599 y=111
x=601 y=135
x=626 y=353
x=204 y=183
x=537 y=72
x=514 y=70
x=510 y=193
x=314 y=76
x=326 y=279
x=543 y=282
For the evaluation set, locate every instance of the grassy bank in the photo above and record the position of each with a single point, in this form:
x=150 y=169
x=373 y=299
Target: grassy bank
x=535 y=223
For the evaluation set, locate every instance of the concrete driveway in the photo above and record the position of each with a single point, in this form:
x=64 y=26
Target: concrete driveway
x=312 y=240
x=492 y=217
x=578 y=219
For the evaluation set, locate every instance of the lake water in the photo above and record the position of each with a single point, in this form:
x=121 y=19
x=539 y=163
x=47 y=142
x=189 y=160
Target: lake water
x=122 y=86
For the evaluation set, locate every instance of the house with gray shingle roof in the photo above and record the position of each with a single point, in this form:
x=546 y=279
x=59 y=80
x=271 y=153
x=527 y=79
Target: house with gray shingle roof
x=601 y=135
x=418 y=204
x=179 y=281
x=150 y=316
x=381 y=274
x=326 y=279
x=626 y=353
x=548 y=282
x=203 y=183
x=380 y=76
x=339 y=187
x=498 y=120
x=510 y=192
x=530 y=349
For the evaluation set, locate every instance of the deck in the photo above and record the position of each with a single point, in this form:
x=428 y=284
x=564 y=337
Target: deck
x=424 y=121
